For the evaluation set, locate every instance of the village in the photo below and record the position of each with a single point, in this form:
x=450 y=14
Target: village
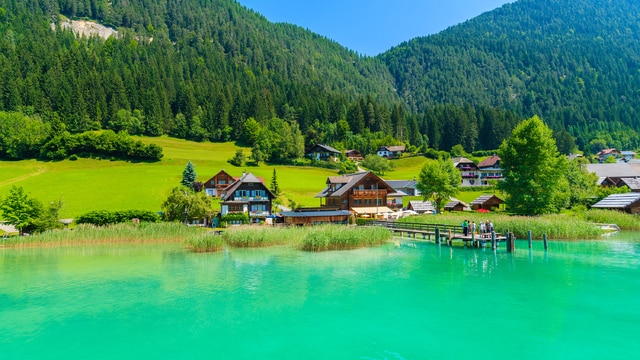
x=364 y=194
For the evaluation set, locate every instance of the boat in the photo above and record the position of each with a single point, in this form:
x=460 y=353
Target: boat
x=608 y=229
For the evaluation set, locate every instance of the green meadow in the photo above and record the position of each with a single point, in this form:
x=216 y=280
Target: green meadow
x=94 y=184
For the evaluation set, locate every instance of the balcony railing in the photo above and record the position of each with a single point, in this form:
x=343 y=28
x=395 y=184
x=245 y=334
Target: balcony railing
x=251 y=198
x=258 y=213
x=469 y=176
x=370 y=192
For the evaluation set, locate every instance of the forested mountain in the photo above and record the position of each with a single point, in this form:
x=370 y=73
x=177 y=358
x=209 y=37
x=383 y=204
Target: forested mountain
x=575 y=63
x=214 y=70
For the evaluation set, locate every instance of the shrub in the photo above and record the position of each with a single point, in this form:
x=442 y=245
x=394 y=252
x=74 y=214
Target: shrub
x=105 y=217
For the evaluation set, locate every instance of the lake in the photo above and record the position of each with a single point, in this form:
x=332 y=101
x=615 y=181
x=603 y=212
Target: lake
x=409 y=300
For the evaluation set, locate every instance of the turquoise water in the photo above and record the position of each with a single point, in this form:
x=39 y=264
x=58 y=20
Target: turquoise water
x=412 y=301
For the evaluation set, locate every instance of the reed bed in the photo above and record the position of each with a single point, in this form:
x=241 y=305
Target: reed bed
x=623 y=220
x=314 y=238
x=335 y=237
x=555 y=226
x=118 y=233
x=205 y=243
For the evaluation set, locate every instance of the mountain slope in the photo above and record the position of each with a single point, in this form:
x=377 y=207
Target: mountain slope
x=576 y=63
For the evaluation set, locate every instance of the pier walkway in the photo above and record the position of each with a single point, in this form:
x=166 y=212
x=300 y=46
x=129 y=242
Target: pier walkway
x=440 y=233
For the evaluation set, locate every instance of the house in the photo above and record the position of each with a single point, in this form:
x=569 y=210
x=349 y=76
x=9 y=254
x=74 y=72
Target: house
x=421 y=207
x=628 y=155
x=629 y=203
x=391 y=151
x=610 y=174
x=606 y=153
x=486 y=202
x=489 y=169
x=248 y=195
x=354 y=155
x=364 y=194
x=468 y=170
x=457 y=205
x=216 y=185
x=409 y=187
x=316 y=216
x=321 y=152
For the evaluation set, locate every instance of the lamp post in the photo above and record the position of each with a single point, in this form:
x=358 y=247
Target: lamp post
x=377 y=185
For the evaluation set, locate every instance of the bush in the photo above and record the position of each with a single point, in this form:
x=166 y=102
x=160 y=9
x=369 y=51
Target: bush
x=106 y=217
x=235 y=218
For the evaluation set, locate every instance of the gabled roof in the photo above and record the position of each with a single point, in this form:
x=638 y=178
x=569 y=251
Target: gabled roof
x=392 y=148
x=607 y=152
x=627 y=153
x=402 y=184
x=323 y=147
x=246 y=178
x=348 y=181
x=613 y=170
x=417 y=205
x=484 y=198
x=451 y=204
x=491 y=161
x=462 y=160
x=632 y=183
x=618 y=201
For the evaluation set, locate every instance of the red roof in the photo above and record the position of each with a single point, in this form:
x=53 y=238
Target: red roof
x=491 y=161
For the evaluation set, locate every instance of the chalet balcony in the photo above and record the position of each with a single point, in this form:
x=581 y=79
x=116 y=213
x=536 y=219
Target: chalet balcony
x=369 y=193
x=251 y=198
x=469 y=176
x=259 y=214
x=492 y=176
x=466 y=168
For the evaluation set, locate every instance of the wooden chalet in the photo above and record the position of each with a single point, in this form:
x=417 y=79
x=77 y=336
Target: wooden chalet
x=421 y=207
x=632 y=183
x=606 y=153
x=216 y=185
x=248 y=195
x=612 y=174
x=316 y=216
x=364 y=194
x=409 y=187
x=354 y=155
x=468 y=170
x=457 y=205
x=321 y=152
x=629 y=203
x=486 y=202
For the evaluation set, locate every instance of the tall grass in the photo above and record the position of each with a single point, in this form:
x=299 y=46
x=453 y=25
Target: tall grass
x=623 y=220
x=205 y=243
x=315 y=238
x=119 y=233
x=336 y=237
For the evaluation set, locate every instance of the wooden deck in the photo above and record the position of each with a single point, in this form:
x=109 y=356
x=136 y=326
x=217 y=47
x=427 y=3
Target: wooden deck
x=446 y=233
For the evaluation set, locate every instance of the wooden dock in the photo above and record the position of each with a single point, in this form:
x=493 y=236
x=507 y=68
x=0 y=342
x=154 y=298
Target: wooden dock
x=440 y=233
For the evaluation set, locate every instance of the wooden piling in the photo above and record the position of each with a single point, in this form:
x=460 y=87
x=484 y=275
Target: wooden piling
x=530 y=239
x=438 y=236
x=546 y=243
x=450 y=238
x=511 y=244
x=494 y=244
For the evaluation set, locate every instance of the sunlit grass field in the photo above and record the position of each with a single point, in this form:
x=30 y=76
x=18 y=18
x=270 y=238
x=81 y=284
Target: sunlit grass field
x=91 y=184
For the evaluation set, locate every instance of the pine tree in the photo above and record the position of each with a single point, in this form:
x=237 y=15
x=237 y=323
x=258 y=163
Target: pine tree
x=189 y=175
x=275 y=188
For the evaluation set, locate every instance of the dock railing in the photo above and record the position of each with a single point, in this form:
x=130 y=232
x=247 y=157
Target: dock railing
x=417 y=226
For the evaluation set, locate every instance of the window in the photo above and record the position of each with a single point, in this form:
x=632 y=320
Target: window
x=360 y=187
x=258 y=208
x=222 y=182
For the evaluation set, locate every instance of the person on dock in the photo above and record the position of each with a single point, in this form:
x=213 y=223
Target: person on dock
x=465 y=227
x=483 y=228
x=490 y=227
x=473 y=228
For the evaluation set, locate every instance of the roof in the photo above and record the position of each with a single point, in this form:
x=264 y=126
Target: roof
x=618 y=201
x=417 y=205
x=316 y=213
x=627 y=152
x=246 y=178
x=326 y=148
x=392 y=148
x=607 y=152
x=348 y=181
x=491 y=161
x=613 y=170
x=484 y=198
x=632 y=183
x=402 y=184
x=451 y=204
x=461 y=160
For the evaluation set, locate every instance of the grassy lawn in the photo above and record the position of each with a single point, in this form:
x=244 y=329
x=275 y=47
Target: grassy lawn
x=89 y=184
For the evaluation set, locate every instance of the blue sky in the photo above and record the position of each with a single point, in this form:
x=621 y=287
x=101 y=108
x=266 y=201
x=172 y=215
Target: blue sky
x=372 y=26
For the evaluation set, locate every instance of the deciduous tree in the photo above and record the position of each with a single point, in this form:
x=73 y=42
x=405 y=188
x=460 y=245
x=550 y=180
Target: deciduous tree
x=534 y=171
x=439 y=180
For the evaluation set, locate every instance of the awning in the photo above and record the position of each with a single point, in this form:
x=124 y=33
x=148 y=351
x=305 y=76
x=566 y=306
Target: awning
x=372 y=210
